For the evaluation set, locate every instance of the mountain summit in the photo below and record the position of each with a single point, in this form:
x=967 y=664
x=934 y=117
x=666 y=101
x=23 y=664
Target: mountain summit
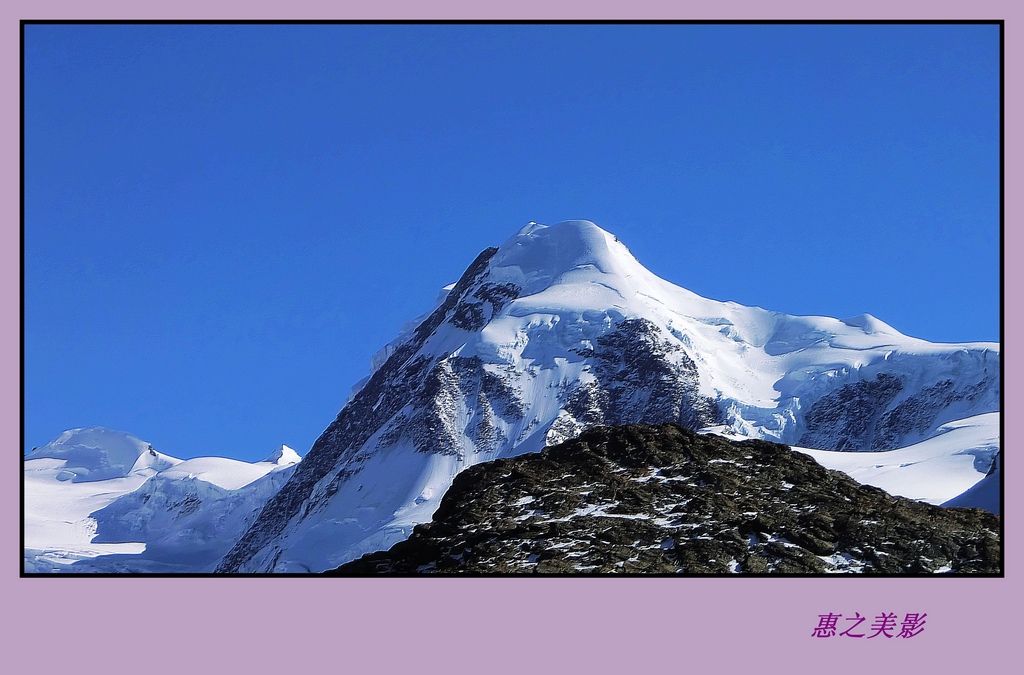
x=561 y=329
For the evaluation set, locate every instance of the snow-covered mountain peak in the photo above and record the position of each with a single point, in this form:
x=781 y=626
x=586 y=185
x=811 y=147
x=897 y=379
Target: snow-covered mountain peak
x=539 y=255
x=97 y=453
x=283 y=456
x=561 y=329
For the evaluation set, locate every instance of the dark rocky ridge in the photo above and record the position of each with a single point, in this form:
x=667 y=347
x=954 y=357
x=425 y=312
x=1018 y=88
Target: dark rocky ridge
x=661 y=499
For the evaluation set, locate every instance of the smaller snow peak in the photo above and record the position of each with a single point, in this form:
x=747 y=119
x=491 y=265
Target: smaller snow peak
x=94 y=453
x=153 y=460
x=868 y=324
x=88 y=435
x=283 y=456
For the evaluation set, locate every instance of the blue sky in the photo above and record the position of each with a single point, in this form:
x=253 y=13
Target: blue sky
x=223 y=223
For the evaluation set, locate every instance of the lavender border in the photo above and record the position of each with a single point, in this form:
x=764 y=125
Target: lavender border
x=483 y=625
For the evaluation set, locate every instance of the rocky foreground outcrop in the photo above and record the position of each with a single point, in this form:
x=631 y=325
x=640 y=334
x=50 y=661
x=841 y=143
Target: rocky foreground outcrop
x=643 y=499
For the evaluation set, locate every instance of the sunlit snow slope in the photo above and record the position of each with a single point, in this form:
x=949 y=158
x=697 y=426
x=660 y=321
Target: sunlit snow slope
x=561 y=329
x=958 y=466
x=98 y=500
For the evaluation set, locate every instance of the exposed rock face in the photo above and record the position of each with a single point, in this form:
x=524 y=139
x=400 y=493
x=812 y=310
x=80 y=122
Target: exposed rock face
x=473 y=313
x=872 y=415
x=850 y=414
x=639 y=381
x=918 y=413
x=638 y=376
x=663 y=500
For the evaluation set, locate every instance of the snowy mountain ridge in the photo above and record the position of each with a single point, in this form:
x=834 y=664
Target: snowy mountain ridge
x=99 y=500
x=561 y=329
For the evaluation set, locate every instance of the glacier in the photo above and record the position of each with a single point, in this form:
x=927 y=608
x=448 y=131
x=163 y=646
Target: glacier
x=100 y=501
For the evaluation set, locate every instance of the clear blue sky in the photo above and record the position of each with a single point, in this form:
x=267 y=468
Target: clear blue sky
x=223 y=223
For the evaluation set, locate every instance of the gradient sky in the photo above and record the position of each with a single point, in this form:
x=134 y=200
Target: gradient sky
x=224 y=222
